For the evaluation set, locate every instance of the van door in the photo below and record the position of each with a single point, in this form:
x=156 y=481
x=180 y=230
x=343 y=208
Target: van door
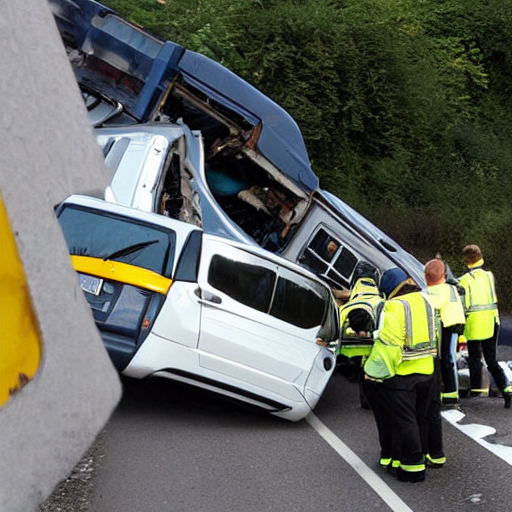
x=242 y=335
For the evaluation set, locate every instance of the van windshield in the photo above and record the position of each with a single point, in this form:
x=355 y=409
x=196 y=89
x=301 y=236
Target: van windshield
x=108 y=236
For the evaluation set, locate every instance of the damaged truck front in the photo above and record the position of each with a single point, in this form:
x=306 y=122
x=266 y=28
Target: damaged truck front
x=256 y=166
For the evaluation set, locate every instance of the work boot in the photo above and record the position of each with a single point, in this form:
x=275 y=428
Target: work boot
x=507 y=395
x=393 y=467
x=435 y=462
x=450 y=398
x=409 y=476
x=385 y=461
x=474 y=393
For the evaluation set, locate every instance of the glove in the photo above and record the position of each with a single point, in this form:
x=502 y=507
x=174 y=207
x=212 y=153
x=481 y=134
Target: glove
x=459 y=329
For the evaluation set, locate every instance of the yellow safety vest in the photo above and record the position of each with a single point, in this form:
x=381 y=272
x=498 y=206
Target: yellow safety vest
x=364 y=295
x=481 y=304
x=364 y=287
x=446 y=299
x=406 y=339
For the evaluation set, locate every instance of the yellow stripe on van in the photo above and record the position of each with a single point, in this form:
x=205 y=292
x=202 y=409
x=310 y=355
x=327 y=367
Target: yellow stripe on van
x=122 y=272
x=20 y=338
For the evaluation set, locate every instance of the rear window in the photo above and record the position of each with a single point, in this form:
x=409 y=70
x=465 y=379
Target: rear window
x=117 y=59
x=109 y=236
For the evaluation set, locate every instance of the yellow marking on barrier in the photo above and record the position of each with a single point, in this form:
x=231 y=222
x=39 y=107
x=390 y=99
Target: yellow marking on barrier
x=20 y=338
x=122 y=272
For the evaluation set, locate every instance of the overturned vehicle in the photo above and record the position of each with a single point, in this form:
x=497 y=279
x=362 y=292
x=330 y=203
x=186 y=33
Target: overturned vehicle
x=243 y=171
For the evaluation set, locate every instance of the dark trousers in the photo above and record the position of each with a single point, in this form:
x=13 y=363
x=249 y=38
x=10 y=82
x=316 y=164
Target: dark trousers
x=377 y=396
x=401 y=409
x=488 y=347
x=432 y=433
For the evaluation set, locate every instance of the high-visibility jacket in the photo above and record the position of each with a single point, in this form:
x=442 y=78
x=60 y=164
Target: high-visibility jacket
x=406 y=339
x=446 y=299
x=364 y=287
x=480 y=302
x=364 y=295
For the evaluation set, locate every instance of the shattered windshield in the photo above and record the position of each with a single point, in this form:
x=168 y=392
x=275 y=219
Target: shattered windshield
x=108 y=236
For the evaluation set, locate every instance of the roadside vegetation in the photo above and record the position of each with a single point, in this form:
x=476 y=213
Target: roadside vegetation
x=405 y=107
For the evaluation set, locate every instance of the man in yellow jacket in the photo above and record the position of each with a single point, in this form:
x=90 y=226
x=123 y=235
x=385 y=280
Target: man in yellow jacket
x=447 y=301
x=482 y=324
x=400 y=371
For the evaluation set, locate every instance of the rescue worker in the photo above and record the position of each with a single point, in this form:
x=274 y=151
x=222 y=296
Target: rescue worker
x=358 y=320
x=482 y=324
x=400 y=371
x=447 y=301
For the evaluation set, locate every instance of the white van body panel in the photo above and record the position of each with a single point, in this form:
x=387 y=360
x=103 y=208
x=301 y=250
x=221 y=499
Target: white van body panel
x=179 y=319
x=318 y=377
x=254 y=339
x=158 y=357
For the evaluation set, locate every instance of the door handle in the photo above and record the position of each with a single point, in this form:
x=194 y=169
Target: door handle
x=211 y=297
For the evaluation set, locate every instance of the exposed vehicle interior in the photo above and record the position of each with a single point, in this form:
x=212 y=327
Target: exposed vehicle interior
x=250 y=195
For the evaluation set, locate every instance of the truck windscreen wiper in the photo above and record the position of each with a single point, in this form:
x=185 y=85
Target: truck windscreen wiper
x=128 y=250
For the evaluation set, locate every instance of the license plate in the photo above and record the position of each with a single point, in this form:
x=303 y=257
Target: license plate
x=90 y=284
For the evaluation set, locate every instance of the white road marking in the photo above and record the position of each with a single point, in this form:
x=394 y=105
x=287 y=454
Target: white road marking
x=394 y=501
x=507 y=368
x=477 y=433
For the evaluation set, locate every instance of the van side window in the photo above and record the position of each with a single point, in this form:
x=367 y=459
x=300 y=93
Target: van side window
x=188 y=263
x=344 y=264
x=298 y=305
x=248 y=284
x=327 y=257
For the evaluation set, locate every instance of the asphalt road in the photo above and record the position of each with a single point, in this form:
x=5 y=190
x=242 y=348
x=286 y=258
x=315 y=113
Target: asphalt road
x=172 y=448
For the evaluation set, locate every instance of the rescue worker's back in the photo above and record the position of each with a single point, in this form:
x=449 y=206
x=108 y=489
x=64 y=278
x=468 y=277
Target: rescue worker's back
x=400 y=370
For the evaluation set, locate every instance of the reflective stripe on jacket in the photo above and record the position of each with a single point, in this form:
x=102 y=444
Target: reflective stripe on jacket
x=405 y=341
x=364 y=288
x=481 y=304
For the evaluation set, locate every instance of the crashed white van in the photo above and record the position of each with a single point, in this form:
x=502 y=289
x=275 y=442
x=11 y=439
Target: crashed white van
x=174 y=302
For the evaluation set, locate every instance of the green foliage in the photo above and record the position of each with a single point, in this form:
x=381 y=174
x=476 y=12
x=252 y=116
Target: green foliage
x=202 y=26
x=405 y=107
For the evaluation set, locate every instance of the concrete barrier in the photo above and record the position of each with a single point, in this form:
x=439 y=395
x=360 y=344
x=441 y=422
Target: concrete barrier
x=47 y=152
